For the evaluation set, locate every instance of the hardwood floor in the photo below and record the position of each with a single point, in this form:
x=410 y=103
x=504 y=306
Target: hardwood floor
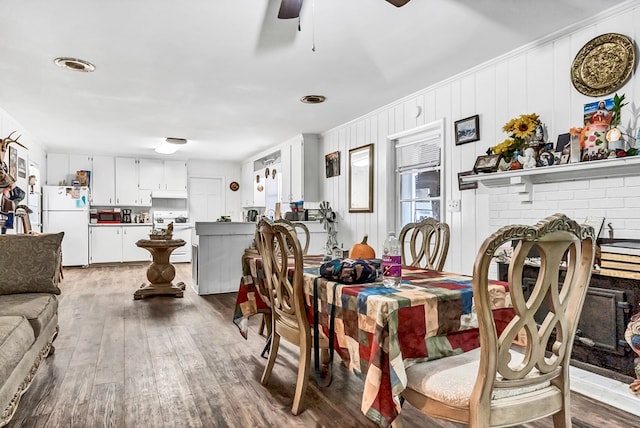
x=171 y=362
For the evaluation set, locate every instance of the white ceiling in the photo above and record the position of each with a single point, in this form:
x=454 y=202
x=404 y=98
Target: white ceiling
x=228 y=75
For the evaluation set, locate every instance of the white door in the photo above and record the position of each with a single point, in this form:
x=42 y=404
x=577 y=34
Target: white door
x=206 y=200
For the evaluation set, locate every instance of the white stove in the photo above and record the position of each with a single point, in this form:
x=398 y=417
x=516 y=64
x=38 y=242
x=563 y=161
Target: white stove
x=181 y=230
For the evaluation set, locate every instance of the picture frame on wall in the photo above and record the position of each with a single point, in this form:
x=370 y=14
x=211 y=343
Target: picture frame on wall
x=332 y=164
x=13 y=162
x=467 y=130
x=22 y=168
x=487 y=163
x=466 y=186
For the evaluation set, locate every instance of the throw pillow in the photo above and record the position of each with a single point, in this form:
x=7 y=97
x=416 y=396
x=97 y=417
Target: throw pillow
x=30 y=263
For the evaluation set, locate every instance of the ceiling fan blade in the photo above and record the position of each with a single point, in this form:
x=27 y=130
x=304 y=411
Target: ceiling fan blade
x=290 y=9
x=398 y=3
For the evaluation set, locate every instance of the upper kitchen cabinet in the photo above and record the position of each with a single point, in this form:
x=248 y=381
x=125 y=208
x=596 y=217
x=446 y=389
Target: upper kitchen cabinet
x=248 y=185
x=103 y=186
x=62 y=168
x=150 y=174
x=175 y=176
x=301 y=163
x=127 y=181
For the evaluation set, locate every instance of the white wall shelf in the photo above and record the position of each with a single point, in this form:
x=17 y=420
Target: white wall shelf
x=605 y=168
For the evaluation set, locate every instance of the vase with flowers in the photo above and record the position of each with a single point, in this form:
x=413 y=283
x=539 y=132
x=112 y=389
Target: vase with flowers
x=521 y=131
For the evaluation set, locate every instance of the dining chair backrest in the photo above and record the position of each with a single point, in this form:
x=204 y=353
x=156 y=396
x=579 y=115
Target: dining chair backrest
x=562 y=244
x=504 y=382
x=286 y=293
x=427 y=242
x=300 y=229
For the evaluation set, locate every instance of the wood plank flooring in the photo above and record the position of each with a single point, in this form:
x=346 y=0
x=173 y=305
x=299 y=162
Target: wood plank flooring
x=171 y=362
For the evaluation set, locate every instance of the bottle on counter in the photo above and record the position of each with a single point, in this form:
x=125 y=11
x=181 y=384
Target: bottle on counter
x=391 y=261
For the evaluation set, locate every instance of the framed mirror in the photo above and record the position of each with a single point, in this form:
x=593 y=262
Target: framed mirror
x=361 y=179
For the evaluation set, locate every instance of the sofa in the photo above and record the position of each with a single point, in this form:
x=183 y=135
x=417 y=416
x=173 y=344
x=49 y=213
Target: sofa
x=29 y=275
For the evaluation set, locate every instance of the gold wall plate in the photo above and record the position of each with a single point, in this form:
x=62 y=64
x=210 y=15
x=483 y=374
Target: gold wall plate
x=603 y=65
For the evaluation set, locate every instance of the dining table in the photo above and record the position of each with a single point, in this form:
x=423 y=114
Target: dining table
x=380 y=331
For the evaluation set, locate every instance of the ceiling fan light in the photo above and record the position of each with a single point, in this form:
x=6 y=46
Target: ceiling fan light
x=170 y=145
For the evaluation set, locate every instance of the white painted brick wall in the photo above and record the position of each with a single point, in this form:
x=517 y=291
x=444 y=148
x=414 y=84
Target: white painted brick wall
x=615 y=199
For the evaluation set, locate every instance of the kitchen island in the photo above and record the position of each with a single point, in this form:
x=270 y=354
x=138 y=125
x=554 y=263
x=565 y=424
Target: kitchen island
x=217 y=258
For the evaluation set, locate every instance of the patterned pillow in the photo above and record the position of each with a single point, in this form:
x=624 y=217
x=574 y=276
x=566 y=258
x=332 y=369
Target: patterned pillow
x=30 y=263
x=350 y=271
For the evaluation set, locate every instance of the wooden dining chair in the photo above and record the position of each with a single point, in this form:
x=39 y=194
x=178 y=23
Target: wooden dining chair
x=500 y=384
x=427 y=242
x=286 y=293
x=301 y=229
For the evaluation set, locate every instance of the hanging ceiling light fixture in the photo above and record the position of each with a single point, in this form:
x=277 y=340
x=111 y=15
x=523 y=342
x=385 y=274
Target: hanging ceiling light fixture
x=170 y=145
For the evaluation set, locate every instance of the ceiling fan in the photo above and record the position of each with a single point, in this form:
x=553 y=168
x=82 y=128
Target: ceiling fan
x=291 y=8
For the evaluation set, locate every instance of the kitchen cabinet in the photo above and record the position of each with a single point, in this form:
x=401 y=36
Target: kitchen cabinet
x=114 y=243
x=103 y=188
x=62 y=168
x=175 y=176
x=301 y=162
x=126 y=181
x=150 y=174
x=105 y=244
x=130 y=251
x=247 y=184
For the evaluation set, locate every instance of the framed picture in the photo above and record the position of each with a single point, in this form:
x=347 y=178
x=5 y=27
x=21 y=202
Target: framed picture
x=487 y=163
x=466 y=186
x=467 y=130
x=22 y=168
x=13 y=162
x=332 y=164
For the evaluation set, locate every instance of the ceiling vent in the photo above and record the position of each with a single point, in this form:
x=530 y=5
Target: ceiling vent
x=313 y=99
x=74 y=64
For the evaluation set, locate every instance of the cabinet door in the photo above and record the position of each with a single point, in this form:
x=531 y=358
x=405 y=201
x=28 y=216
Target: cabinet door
x=79 y=163
x=285 y=153
x=126 y=181
x=57 y=169
x=130 y=251
x=297 y=171
x=150 y=174
x=106 y=244
x=103 y=185
x=175 y=175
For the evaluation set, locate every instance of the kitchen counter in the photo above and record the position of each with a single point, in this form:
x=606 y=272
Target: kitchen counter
x=221 y=245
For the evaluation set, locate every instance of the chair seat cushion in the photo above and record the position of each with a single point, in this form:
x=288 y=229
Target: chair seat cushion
x=450 y=380
x=16 y=337
x=37 y=308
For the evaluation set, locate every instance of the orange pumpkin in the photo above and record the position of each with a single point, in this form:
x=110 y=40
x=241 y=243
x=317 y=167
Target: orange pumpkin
x=362 y=250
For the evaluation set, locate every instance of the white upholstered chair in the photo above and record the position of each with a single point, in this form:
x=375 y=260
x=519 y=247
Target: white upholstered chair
x=427 y=243
x=498 y=384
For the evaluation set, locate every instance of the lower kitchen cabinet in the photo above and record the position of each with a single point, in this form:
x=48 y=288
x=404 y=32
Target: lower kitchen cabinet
x=114 y=243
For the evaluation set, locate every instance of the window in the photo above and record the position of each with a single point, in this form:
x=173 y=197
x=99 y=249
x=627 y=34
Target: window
x=419 y=173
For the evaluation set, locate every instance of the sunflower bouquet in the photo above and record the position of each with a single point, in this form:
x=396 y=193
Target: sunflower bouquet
x=521 y=130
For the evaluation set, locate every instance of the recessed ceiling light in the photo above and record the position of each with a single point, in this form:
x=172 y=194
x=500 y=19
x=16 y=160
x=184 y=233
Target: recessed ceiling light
x=74 y=64
x=313 y=99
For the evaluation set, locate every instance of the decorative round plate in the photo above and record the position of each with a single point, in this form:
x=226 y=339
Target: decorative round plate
x=603 y=65
x=234 y=186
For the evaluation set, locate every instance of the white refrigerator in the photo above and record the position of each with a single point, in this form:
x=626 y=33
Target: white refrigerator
x=66 y=209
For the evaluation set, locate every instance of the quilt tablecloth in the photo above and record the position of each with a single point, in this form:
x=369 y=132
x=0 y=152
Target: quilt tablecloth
x=380 y=331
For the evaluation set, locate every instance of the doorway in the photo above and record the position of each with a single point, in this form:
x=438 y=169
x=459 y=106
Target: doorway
x=206 y=200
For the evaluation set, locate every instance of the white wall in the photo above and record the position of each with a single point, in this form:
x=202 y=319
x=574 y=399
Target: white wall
x=534 y=78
